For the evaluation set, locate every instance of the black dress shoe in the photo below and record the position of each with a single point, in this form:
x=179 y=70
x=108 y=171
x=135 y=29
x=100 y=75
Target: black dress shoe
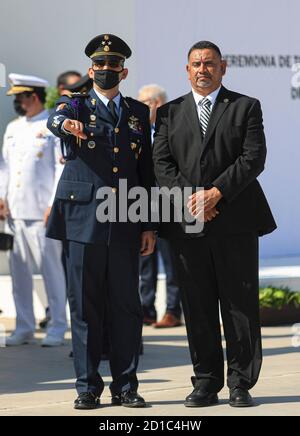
x=44 y=322
x=86 y=400
x=201 y=398
x=128 y=399
x=240 y=398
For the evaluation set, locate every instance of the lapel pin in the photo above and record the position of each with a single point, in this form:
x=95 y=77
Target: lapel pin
x=226 y=100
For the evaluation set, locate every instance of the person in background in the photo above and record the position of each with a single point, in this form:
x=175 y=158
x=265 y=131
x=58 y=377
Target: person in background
x=66 y=79
x=30 y=173
x=155 y=96
x=64 y=83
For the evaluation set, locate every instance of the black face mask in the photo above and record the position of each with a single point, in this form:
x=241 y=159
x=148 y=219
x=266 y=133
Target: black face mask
x=107 y=79
x=18 y=108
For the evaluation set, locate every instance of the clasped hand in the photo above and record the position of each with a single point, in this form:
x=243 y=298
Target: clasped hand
x=202 y=204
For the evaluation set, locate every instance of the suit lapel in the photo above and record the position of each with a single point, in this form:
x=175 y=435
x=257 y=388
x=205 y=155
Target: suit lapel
x=219 y=107
x=191 y=115
x=124 y=111
x=101 y=110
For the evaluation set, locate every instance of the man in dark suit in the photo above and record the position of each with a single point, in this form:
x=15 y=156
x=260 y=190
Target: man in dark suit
x=213 y=138
x=106 y=138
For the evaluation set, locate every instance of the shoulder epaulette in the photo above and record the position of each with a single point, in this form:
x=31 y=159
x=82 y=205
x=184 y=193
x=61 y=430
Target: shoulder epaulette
x=78 y=95
x=134 y=101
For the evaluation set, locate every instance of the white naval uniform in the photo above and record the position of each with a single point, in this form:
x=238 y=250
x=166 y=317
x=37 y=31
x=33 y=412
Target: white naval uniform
x=29 y=174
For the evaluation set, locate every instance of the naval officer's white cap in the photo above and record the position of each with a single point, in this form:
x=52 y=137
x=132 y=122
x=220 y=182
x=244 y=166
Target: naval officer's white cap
x=21 y=83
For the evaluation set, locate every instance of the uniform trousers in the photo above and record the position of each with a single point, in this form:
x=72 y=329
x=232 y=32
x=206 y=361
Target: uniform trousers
x=148 y=280
x=32 y=248
x=103 y=281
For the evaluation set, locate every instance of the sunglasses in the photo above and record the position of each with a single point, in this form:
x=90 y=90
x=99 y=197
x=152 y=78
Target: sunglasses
x=111 y=63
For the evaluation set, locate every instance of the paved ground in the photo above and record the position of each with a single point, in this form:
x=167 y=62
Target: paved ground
x=39 y=381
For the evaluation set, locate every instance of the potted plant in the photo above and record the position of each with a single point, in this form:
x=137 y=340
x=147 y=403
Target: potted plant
x=279 y=306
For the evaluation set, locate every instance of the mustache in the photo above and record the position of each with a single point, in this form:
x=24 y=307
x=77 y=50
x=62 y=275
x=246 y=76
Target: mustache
x=201 y=76
x=18 y=108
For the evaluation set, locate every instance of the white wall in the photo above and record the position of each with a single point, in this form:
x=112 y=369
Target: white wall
x=48 y=37
x=45 y=38
x=167 y=29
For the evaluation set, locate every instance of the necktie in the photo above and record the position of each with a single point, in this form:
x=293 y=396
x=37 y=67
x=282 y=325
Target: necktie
x=204 y=114
x=112 y=109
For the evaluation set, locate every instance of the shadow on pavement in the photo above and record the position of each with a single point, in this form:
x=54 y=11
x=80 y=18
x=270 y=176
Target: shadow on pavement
x=32 y=368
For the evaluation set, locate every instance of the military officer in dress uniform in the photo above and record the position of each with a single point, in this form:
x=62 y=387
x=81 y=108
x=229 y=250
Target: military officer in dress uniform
x=106 y=138
x=29 y=177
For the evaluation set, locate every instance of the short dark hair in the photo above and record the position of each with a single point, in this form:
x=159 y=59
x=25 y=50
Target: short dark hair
x=62 y=79
x=201 y=45
x=39 y=91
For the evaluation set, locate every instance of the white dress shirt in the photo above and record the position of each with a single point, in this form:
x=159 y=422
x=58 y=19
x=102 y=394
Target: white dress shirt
x=105 y=101
x=198 y=99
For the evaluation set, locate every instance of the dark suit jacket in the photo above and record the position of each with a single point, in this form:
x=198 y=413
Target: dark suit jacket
x=90 y=165
x=230 y=157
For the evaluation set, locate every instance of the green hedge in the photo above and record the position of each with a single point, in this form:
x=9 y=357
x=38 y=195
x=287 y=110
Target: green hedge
x=51 y=97
x=278 y=297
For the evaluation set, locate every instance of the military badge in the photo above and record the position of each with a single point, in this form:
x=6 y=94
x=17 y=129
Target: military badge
x=106 y=43
x=134 y=124
x=56 y=120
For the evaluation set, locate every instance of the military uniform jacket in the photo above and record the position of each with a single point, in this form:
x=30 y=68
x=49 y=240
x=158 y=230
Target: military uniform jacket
x=110 y=153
